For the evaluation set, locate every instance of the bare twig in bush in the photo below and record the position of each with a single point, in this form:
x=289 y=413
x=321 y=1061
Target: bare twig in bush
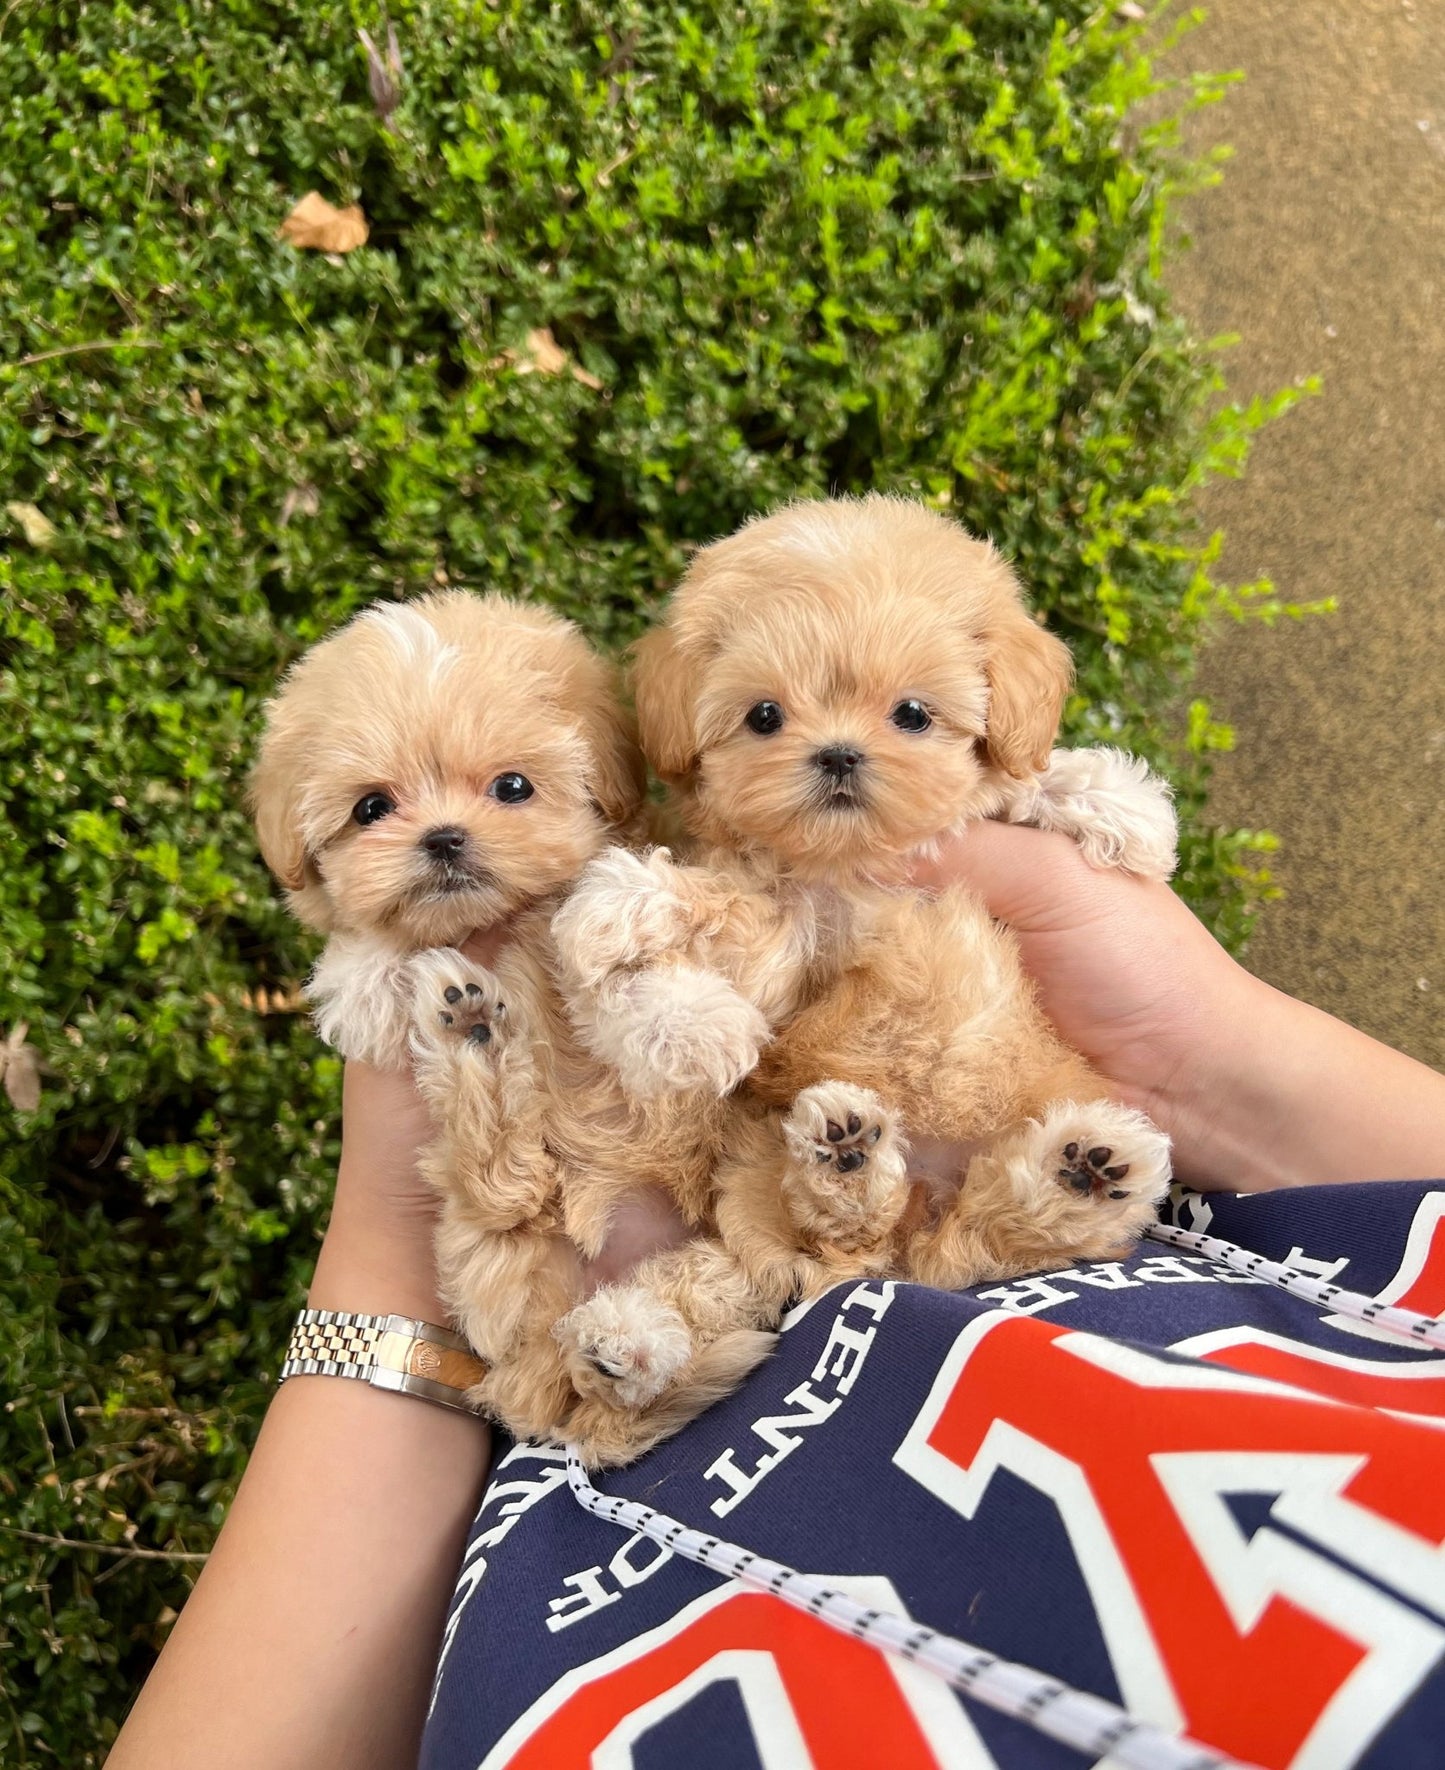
x=121 y=1549
x=44 y=356
x=383 y=77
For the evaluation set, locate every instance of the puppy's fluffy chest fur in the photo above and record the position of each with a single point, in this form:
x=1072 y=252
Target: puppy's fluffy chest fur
x=908 y=988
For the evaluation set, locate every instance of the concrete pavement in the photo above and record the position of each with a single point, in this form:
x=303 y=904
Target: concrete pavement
x=1325 y=250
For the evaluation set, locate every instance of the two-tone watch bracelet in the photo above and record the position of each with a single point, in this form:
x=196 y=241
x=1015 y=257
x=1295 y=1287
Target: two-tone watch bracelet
x=393 y=1352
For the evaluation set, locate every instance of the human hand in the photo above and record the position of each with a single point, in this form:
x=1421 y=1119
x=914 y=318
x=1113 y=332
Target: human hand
x=1125 y=972
x=1254 y=1088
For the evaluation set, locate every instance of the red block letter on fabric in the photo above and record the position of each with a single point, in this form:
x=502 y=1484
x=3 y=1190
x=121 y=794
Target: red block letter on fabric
x=1286 y=1644
x=812 y=1696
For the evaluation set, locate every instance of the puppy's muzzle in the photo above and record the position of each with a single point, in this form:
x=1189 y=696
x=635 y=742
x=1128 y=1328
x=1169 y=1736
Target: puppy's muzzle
x=455 y=865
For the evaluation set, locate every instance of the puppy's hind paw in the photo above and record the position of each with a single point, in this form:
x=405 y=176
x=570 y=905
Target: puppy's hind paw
x=846 y=1178
x=624 y=1345
x=1111 y=1165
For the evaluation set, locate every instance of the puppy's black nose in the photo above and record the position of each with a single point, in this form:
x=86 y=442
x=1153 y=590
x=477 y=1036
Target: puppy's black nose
x=445 y=843
x=839 y=760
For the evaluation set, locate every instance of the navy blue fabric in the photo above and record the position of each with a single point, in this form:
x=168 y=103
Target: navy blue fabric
x=1155 y=1479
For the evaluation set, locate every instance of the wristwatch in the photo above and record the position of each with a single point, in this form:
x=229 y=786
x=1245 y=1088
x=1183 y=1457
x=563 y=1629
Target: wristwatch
x=388 y=1351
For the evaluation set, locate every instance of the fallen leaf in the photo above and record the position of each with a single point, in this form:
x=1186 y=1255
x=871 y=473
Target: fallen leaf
x=543 y=355
x=1130 y=12
x=315 y=225
x=20 y=1067
x=36 y=526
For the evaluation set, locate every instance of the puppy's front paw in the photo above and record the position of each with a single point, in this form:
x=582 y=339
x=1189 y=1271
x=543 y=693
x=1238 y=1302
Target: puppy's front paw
x=458 y=1014
x=625 y=909
x=846 y=1179
x=360 y=993
x=671 y=1028
x=1119 y=813
x=623 y=1345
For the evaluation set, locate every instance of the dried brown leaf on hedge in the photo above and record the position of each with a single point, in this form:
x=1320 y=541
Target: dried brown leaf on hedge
x=35 y=525
x=315 y=225
x=541 y=354
x=285 y=1000
x=20 y=1066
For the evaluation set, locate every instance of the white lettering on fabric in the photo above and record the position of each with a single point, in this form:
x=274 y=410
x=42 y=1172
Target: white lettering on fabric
x=813 y=1401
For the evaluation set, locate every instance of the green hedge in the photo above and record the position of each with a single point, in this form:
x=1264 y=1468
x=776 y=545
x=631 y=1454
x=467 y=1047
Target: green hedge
x=800 y=245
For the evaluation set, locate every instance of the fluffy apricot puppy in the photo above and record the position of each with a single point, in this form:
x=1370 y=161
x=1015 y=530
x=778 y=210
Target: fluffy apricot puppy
x=833 y=689
x=434 y=767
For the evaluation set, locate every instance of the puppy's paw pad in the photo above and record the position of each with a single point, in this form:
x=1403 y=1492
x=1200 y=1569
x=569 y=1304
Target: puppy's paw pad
x=624 y=1344
x=842 y=1127
x=1093 y=1170
x=466 y=1013
x=1110 y=1160
x=458 y=1004
x=846 y=1179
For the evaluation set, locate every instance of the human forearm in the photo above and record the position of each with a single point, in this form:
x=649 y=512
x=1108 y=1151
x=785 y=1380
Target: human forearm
x=312 y=1634
x=1284 y=1095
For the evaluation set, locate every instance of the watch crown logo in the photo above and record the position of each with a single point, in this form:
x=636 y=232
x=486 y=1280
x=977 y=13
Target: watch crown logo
x=425 y=1359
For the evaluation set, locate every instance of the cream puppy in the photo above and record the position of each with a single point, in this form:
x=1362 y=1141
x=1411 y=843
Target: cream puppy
x=835 y=688
x=434 y=767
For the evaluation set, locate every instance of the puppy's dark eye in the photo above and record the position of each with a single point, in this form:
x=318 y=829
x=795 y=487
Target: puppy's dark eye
x=911 y=716
x=372 y=807
x=765 y=718
x=511 y=789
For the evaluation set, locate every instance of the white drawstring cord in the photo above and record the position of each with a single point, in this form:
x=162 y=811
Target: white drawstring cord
x=1409 y=1324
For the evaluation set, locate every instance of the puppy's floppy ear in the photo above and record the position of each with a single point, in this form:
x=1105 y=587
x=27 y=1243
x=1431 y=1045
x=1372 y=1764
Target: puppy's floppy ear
x=1029 y=673
x=663 y=688
x=272 y=799
x=616 y=773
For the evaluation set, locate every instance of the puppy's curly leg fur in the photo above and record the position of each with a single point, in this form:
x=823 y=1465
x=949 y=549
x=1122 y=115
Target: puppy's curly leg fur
x=627 y=909
x=671 y=975
x=482 y=1090
x=1119 y=813
x=1079 y=1182
x=607 y=1436
x=696 y=1304
x=669 y=1028
x=503 y=1291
